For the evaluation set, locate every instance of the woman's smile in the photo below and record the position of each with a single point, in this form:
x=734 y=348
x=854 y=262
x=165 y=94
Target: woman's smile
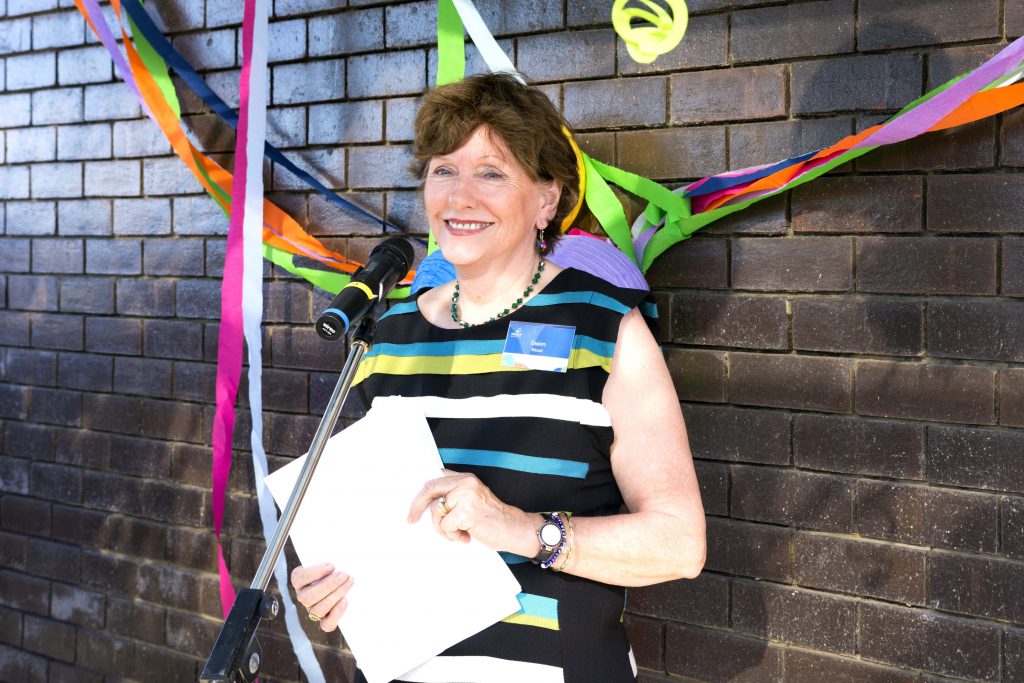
x=460 y=227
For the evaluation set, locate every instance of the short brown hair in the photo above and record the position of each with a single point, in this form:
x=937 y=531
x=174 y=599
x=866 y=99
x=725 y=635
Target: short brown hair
x=522 y=118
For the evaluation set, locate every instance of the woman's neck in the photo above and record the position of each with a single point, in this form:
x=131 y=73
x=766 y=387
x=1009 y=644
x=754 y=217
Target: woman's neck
x=484 y=292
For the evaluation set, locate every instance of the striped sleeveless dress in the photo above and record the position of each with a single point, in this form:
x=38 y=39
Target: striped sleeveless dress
x=540 y=440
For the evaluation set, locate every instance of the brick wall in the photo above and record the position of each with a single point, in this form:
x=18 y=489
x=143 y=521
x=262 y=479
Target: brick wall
x=848 y=356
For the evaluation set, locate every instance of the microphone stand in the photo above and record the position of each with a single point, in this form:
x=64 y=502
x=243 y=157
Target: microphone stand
x=236 y=656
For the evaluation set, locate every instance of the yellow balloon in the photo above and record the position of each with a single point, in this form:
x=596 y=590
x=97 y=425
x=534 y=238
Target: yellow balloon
x=646 y=43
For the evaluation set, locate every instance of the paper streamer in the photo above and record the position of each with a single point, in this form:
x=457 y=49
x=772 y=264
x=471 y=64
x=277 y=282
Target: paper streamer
x=662 y=34
x=249 y=148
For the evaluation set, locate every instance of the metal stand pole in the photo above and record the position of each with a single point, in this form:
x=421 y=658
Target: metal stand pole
x=236 y=656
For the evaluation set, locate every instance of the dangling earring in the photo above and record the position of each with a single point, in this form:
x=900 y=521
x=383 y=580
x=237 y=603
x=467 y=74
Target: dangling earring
x=542 y=244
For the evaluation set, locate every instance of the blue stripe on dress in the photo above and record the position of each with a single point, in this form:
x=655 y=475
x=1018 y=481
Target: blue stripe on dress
x=480 y=347
x=649 y=309
x=538 y=605
x=514 y=461
x=399 y=309
x=593 y=298
x=512 y=558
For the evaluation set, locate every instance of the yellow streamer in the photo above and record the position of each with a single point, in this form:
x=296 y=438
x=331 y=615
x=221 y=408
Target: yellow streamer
x=646 y=43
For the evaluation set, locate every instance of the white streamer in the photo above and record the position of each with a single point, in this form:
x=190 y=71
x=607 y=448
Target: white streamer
x=252 y=319
x=496 y=59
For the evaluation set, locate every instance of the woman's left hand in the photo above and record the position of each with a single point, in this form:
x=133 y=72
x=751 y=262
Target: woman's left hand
x=473 y=511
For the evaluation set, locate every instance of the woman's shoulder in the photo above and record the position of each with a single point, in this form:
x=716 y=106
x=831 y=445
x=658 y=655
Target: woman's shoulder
x=576 y=284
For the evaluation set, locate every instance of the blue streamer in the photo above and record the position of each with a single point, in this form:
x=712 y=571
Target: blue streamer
x=229 y=115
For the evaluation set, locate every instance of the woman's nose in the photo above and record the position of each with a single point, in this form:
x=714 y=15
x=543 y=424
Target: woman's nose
x=462 y=192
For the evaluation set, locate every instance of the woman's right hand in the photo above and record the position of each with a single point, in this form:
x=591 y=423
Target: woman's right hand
x=321 y=590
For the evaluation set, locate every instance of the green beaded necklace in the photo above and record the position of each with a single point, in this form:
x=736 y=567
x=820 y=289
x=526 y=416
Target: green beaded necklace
x=516 y=304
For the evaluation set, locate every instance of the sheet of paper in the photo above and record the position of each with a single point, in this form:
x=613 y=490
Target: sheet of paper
x=414 y=593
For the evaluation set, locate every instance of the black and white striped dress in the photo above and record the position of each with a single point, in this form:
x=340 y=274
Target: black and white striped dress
x=540 y=440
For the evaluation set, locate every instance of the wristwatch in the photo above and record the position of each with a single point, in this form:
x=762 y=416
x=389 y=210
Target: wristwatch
x=551 y=534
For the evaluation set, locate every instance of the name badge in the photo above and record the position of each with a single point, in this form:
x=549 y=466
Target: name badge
x=538 y=347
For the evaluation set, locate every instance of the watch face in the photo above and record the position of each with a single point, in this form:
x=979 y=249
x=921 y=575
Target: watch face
x=550 y=534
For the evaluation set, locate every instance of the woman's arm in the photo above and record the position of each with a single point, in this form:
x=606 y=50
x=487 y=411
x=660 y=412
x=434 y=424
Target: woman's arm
x=660 y=538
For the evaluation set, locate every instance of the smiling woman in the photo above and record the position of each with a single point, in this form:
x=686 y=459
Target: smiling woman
x=546 y=394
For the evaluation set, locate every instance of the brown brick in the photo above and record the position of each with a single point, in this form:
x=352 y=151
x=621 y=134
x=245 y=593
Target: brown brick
x=181 y=339
x=908 y=390
x=56 y=406
x=978 y=458
x=963 y=521
x=1012 y=138
x=113 y=335
x=10 y=626
x=703 y=601
x=765 y=142
x=18 y=665
x=79 y=447
x=87 y=295
x=756 y=550
x=646 y=639
x=111 y=413
x=926 y=265
x=785 y=496
x=708 y=46
x=956 y=647
x=812 y=667
x=190 y=633
x=712 y=655
x=76 y=525
x=859 y=567
x=292 y=434
x=672 y=153
x=859 y=204
x=988 y=330
x=1012 y=533
x=30 y=440
x=707 y=319
x=861 y=82
x=69 y=673
x=173 y=420
x=618 y=102
x=77 y=605
x=197 y=382
x=132 y=536
x=582 y=54
x=698 y=375
x=885 y=25
x=169 y=502
x=977 y=586
x=1014 y=648
x=14 y=328
x=696 y=263
x=32 y=292
x=805 y=618
x=194 y=548
x=13 y=550
x=112 y=492
x=144 y=376
x=24 y=593
x=50 y=638
x=1013 y=266
x=56 y=482
x=895 y=512
x=84 y=371
x=975 y=203
x=804 y=30
x=29 y=366
x=738 y=434
x=858 y=325
x=14 y=401
x=783 y=381
x=25 y=515
x=102 y=652
x=812 y=264
x=190 y=465
x=136 y=620
x=713 y=480
x=963 y=147
x=756 y=92
x=172 y=665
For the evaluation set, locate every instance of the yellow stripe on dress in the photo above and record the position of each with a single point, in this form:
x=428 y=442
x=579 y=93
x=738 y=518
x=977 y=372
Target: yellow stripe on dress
x=463 y=364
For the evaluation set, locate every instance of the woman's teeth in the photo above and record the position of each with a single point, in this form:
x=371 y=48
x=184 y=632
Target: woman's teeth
x=467 y=227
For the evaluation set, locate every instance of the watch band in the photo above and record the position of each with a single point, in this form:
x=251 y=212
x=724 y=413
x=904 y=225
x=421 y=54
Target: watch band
x=549 y=551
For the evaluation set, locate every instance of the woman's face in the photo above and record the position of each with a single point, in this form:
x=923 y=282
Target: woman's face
x=482 y=206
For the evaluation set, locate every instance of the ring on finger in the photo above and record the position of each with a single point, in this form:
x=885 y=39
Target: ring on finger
x=442 y=505
x=314 y=618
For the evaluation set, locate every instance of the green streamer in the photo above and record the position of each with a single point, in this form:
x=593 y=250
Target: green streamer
x=451 y=44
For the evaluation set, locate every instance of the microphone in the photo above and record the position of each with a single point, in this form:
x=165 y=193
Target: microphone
x=388 y=263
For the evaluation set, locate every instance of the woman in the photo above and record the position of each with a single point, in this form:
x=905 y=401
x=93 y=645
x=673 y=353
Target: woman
x=576 y=469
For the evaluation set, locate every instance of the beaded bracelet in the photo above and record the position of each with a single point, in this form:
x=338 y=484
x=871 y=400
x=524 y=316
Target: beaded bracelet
x=546 y=564
x=570 y=542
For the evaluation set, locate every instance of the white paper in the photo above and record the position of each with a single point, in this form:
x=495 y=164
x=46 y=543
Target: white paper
x=414 y=592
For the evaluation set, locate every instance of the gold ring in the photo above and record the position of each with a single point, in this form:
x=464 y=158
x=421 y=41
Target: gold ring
x=314 y=618
x=442 y=505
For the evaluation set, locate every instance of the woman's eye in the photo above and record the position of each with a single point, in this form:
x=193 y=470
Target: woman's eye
x=493 y=175
x=442 y=171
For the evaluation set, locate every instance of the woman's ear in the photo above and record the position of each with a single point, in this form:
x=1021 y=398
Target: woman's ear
x=550 y=196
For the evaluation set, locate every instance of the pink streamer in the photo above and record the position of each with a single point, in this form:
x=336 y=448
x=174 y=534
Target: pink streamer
x=230 y=336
